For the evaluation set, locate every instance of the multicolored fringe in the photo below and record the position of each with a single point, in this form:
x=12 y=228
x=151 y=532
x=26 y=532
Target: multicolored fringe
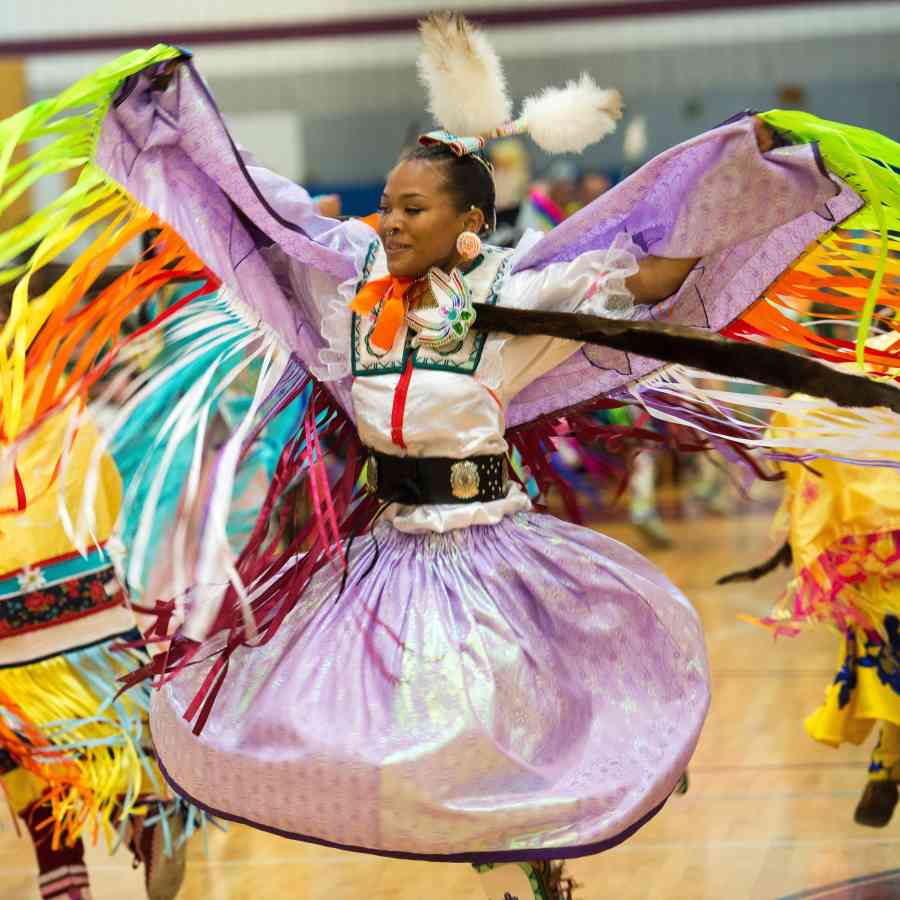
x=737 y=414
x=163 y=429
x=58 y=344
x=55 y=345
x=536 y=444
x=851 y=270
x=279 y=558
x=86 y=747
x=24 y=745
x=65 y=333
x=178 y=821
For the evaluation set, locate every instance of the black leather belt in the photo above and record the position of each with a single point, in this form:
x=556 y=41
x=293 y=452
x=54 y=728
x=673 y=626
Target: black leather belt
x=426 y=480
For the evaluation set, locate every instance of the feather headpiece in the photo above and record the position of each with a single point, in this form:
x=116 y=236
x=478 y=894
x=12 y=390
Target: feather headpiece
x=463 y=75
x=467 y=95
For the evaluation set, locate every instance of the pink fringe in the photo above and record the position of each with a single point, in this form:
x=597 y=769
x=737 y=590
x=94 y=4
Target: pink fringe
x=814 y=601
x=339 y=511
x=536 y=442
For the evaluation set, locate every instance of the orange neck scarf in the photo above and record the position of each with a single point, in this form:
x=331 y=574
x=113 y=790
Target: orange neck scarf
x=393 y=311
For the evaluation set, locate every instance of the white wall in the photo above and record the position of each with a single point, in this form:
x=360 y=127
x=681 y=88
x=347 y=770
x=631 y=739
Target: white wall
x=29 y=18
x=753 y=29
x=275 y=139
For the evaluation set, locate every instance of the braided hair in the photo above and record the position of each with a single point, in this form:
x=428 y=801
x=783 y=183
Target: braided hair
x=468 y=180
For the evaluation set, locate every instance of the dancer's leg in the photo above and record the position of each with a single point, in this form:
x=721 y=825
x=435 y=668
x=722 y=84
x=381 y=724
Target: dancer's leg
x=542 y=880
x=876 y=806
x=62 y=874
x=158 y=846
x=642 y=501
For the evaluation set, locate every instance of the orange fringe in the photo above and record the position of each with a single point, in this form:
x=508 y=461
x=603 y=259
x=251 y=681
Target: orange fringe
x=828 y=282
x=85 y=334
x=62 y=777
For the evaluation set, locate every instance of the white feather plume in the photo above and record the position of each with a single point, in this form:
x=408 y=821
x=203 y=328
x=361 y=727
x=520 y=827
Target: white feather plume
x=566 y=120
x=463 y=75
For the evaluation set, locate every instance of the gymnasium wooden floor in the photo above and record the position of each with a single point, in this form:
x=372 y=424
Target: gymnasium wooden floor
x=768 y=815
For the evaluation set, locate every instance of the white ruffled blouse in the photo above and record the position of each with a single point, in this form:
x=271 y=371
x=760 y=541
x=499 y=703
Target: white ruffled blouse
x=453 y=404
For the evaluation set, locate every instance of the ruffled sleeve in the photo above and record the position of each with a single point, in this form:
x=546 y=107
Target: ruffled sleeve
x=593 y=283
x=323 y=305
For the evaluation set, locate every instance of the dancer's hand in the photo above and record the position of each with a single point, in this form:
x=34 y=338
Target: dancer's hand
x=765 y=135
x=658 y=277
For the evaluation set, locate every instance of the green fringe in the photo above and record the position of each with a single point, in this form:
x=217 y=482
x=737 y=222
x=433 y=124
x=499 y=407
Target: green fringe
x=868 y=162
x=72 y=119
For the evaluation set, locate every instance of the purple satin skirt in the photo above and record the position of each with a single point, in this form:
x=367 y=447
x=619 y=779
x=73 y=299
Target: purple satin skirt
x=529 y=689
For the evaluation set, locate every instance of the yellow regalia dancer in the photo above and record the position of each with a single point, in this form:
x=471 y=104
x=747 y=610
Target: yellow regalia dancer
x=75 y=759
x=843 y=537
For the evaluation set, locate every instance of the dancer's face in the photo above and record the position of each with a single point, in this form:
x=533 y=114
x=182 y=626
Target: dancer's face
x=420 y=221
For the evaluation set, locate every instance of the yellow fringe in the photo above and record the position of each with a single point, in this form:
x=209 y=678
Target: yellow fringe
x=103 y=783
